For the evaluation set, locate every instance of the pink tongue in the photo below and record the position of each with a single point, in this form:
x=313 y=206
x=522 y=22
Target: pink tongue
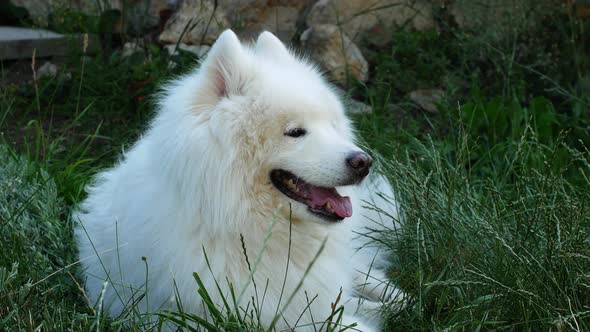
x=320 y=196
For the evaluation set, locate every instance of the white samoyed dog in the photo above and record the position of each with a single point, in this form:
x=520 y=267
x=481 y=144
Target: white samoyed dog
x=253 y=144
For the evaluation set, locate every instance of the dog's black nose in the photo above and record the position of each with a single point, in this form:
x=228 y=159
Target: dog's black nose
x=360 y=163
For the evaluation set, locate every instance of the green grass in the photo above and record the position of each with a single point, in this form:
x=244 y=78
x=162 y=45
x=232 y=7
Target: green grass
x=36 y=244
x=494 y=188
x=508 y=250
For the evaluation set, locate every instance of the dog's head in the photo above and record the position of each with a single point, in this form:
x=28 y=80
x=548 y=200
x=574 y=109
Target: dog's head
x=283 y=127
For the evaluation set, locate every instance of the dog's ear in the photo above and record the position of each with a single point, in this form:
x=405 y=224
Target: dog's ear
x=268 y=44
x=226 y=65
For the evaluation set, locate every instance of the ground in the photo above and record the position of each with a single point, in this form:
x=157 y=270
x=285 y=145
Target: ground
x=493 y=185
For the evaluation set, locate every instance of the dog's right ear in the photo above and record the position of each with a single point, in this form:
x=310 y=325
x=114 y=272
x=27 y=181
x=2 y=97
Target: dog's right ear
x=226 y=66
x=269 y=44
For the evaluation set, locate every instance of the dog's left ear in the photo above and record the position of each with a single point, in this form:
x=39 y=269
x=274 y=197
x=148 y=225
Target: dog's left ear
x=269 y=44
x=226 y=66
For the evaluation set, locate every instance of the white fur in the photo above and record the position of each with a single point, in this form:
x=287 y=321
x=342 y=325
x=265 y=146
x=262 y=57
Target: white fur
x=199 y=179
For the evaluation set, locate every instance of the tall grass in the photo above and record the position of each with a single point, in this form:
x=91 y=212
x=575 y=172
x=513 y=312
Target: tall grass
x=37 y=287
x=493 y=190
x=509 y=250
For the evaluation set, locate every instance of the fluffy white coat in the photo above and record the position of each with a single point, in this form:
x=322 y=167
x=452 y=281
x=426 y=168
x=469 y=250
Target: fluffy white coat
x=198 y=180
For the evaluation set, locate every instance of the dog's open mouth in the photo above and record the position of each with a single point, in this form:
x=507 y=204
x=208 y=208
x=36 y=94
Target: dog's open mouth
x=322 y=201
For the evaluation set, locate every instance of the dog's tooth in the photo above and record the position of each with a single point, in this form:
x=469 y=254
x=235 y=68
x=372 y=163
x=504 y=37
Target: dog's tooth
x=291 y=185
x=328 y=206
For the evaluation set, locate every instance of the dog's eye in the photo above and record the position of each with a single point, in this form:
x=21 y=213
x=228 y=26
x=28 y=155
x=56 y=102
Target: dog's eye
x=296 y=132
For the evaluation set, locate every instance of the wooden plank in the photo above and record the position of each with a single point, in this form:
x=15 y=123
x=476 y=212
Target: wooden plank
x=18 y=43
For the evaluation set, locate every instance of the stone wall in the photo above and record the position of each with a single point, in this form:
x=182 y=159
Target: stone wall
x=335 y=33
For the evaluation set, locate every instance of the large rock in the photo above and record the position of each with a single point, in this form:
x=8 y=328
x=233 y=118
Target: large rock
x=277 y=16
x=200 y=21
x=372 y=21
x=246 y=17
x=336 y=53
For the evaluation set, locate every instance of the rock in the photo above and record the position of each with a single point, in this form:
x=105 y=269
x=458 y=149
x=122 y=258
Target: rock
x=356 y=107
x=427 y=99
x=201 y=19
x=51 y=70
x=336 y=53
x=47 y=70
x=199 y=50
x=277 y=16
x=247 y=18
x=372 y=21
